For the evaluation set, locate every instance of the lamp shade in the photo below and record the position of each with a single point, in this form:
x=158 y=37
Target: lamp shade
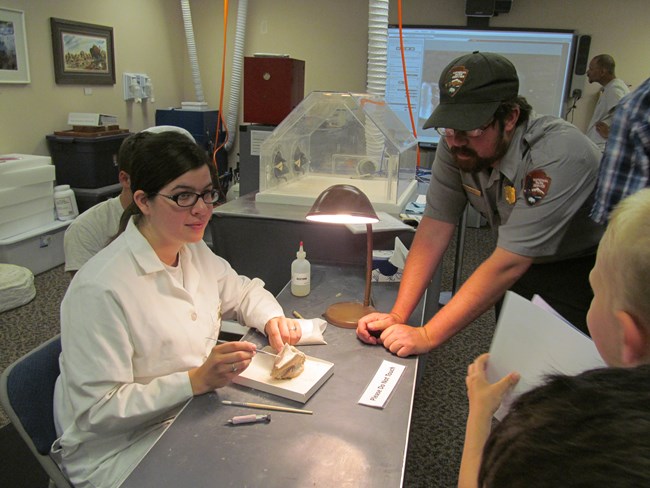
x=343 y=204
x=346 y=204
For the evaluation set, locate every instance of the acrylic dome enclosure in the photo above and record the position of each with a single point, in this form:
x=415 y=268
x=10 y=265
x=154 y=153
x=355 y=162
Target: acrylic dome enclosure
x=339 y=138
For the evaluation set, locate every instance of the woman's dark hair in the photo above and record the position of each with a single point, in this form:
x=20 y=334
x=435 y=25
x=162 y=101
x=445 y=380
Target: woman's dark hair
x=592 y=429
x=158 y=159
x=125 y=153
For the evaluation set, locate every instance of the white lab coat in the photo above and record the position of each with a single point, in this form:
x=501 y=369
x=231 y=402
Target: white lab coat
x=130 y=332
x=608 y=99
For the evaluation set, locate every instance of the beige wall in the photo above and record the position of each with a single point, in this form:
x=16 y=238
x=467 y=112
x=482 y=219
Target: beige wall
x=616 y=28
x=331 y=36
x=146 y=35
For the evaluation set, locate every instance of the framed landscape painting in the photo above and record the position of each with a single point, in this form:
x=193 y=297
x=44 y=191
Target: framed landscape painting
x=83 y=53
x=14 y=65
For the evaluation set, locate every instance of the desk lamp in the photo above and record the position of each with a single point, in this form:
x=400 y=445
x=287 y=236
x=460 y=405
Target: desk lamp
x=346 y=204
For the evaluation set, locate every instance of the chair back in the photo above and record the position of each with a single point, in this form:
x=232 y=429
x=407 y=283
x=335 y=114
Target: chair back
x=30 y=390
x=27 y=396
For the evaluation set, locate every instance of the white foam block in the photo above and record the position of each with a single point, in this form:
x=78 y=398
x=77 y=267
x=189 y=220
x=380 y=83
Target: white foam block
x=300 y=388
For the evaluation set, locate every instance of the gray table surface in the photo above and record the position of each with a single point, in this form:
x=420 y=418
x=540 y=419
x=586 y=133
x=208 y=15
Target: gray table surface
x=342 y=444
x=247 y=206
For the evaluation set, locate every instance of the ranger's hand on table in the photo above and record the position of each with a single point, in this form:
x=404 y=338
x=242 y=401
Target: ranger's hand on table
x=387 y=329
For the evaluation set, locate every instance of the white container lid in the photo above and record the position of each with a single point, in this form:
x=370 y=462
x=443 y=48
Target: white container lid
x=17 y=162
x=55 y=225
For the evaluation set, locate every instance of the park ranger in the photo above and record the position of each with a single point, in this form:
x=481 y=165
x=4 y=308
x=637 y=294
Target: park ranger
x=531 y=176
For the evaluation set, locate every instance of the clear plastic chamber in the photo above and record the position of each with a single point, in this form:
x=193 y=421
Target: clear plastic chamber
x=339 y=138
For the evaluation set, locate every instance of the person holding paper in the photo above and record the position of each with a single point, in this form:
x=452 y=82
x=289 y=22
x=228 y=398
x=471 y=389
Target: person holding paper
x=532 y=177
x=619 y=316
x=618 y=319
x=140 y=319
x=592 y=429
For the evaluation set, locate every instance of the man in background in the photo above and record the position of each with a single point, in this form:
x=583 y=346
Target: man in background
x=602 y=70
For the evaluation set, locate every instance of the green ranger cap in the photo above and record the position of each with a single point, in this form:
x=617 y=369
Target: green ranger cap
x=472 y=87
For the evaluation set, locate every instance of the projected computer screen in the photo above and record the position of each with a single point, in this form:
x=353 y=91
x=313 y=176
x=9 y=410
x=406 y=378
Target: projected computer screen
x=543 y=59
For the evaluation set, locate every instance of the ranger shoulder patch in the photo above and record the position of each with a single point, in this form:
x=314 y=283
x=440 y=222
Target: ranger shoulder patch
x=536 y=186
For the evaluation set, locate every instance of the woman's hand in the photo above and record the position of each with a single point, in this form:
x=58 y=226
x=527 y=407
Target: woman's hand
x=281 y=330
x=224 y=363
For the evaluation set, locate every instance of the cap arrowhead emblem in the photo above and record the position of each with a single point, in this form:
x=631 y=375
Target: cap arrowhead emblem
x=456 y=77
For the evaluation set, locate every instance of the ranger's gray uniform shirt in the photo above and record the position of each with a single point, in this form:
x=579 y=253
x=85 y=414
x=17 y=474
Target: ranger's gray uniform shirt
x=538 y=199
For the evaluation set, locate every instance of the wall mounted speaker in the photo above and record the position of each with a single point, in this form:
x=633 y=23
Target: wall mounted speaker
x=502 y=6
x=479 y=8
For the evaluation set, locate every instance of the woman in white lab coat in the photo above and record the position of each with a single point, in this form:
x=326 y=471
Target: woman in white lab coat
x=137 y=319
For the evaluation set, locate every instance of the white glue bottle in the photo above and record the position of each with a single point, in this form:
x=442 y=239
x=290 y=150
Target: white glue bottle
x=300 y=274
x=65 y=203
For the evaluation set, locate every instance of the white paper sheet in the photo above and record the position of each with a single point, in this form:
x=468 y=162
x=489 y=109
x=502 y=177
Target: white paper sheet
x=541 y=303
x=535 y=342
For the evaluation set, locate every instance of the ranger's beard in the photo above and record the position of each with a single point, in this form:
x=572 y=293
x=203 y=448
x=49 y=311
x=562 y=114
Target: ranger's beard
x=472 y=163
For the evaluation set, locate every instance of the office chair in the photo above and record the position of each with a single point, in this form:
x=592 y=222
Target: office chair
x=27 y=396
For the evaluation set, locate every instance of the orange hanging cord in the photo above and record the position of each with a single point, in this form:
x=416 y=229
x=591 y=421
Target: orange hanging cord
x=406 y=80
x=218 y=146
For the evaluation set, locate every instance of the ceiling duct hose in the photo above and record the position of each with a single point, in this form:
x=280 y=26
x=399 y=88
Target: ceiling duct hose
x=377 y=47
x=236 y=74
x=376 y=77
x=191 y=50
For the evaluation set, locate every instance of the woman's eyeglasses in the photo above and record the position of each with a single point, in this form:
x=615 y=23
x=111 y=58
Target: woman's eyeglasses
x=189 y=198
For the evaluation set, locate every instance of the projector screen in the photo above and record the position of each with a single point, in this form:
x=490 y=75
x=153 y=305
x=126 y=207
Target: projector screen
x=543 y=59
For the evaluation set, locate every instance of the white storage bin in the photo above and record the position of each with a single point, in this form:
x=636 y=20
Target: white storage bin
x=19 y=226
x=27 y=176
x=26 y=193
x=38 y=250
x=26 y=216
x=14 y=196
x=25 y=209
x=15 y=162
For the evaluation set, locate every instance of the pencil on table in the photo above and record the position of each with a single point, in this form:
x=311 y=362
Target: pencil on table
x=267 y=407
